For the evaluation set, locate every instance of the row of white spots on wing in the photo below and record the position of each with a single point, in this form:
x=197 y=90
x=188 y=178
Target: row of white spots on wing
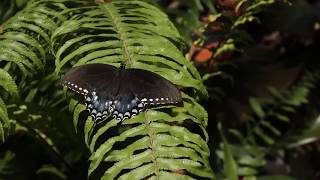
x=129 y=114
x=121 y=116
x=76 y=88
x=140 y=105
x=118 y=116
x=97 y=114
x=134 y=111
x=157 y=101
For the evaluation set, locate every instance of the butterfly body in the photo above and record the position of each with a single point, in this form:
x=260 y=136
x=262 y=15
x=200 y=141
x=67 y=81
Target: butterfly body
x=122 y=93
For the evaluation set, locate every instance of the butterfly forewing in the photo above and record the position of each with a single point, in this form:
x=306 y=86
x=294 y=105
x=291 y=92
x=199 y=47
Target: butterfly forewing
x=91 y=77
x=150 y=87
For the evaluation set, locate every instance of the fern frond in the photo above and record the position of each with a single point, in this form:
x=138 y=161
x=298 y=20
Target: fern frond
x=140 y=36
x=285 y=103
x=25 y=37
x=8 y=84
x=263 y=126
x=160 y=141
x=25 y=50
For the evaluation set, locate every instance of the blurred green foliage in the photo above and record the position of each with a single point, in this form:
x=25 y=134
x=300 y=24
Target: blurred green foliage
x=259 y=60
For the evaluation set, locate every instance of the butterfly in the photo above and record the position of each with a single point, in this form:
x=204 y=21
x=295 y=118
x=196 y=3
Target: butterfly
x=120 y=92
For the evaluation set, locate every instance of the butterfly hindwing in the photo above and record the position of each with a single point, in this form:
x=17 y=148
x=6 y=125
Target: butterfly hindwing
x=127 y=106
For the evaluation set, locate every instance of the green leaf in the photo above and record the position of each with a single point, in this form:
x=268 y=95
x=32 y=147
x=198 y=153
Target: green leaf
x=261 y=134
x=230 y=165
x=256 y=106
x=308 y=135
x=6 y=162
x=8 y=84
x=21 y=3
x=50 y=169
x=250 y=161
x=246 y=171
x=228 y=46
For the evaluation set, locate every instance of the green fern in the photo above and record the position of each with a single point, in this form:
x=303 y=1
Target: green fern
x=25 y=56
x=250 y=153
x=145 y=39
x=156 y=143
x=8 y=84
x=18 y=49
x=284 y=103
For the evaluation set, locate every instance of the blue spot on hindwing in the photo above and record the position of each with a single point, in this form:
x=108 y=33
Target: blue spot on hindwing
x=121 y=108
x=99 y=108
x=127 y=107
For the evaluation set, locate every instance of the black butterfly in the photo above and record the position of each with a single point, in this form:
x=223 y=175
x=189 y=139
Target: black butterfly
x=120 y=92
